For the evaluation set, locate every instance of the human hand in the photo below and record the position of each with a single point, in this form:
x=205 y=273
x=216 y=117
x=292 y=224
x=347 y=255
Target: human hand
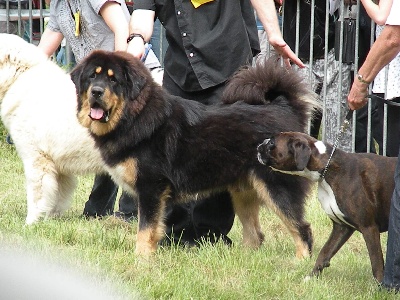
x=287 y=54
x=358 y=95
x=136 y=47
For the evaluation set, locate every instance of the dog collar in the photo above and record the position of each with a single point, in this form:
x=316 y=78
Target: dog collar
x=325 y=169
x=343 y=128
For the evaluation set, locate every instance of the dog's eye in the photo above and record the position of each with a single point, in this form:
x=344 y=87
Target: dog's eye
x=92 y=76
x=113 y=79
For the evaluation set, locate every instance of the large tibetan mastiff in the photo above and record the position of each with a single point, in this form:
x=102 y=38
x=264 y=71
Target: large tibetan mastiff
x=38 y=108
x=164 y=148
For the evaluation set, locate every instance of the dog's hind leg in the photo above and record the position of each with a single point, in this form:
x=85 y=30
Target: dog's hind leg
x=247 y=207
x=66 y=188
x=286 y=197
x=42 y=188
x=339 y=235
x=372 y=239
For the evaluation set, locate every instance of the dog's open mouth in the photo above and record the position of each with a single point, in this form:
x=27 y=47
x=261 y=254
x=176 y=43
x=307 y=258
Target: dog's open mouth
x=99 y=114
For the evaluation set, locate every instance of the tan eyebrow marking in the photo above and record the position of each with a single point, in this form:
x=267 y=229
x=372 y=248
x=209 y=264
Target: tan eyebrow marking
x=110 y=72
x=98 y=70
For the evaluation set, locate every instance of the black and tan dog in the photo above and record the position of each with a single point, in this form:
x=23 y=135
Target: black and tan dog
x=165 y=148
x=355 y=191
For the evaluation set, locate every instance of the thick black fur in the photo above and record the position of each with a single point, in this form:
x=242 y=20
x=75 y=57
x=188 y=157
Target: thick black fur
x=184 y=147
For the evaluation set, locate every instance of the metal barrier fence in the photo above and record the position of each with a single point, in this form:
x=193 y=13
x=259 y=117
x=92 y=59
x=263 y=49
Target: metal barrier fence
x=23 y=17
x=369 y=132
x=27 y=18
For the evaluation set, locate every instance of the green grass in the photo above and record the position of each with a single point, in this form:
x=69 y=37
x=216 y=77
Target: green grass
x=105 y=250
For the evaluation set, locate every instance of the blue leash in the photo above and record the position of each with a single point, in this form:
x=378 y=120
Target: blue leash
x=147 y=48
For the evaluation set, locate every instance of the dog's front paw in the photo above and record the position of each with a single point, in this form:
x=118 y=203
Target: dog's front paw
x=34 y=217
x=146 y=243
x=144 y=250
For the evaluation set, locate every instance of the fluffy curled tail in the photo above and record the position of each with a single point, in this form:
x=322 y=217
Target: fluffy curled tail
x=270 y=83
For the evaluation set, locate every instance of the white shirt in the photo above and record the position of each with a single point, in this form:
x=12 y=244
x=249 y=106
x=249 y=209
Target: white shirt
x=392 y=85
x=394 y=15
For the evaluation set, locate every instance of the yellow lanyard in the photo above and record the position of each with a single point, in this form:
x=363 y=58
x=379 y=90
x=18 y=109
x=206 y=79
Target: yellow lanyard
x=76 y=16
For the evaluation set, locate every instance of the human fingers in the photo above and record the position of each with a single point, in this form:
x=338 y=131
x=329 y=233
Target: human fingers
x=357 y=97
x=282 y=49
x=357 y=105
x=288 y=55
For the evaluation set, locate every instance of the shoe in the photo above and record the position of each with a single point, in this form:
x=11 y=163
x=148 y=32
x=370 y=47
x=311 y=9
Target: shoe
x=389 y=288
x=127 y=217
x=9 y=140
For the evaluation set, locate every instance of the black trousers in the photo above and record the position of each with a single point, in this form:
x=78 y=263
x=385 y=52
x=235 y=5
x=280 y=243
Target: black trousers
x=391 y=276
x=377 y=117
x=362 y=129
x=103 y=196
x=393 y=126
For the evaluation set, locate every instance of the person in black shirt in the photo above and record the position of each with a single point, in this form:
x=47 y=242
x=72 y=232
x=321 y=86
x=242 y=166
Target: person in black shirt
x=208 y=41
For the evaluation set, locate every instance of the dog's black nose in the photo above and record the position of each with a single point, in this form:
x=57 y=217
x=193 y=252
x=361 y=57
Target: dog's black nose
x=97 y=92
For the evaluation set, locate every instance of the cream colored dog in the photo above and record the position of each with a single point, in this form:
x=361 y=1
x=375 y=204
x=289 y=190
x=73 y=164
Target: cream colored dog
x=38 y=108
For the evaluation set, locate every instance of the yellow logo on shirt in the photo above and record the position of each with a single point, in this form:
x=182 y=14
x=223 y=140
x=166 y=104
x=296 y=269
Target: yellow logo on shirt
x=197 y=3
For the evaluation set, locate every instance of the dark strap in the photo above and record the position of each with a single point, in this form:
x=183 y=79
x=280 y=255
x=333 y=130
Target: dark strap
x=376 y=97
x=388 y=102
x=343 y=128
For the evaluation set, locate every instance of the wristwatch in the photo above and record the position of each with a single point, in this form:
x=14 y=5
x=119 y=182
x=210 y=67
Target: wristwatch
x=361 y=79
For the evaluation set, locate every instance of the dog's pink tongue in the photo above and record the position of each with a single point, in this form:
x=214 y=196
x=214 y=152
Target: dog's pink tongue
x=96 y=113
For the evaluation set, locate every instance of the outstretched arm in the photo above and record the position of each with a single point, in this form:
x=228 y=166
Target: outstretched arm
x=266 y=12
x=385 y=48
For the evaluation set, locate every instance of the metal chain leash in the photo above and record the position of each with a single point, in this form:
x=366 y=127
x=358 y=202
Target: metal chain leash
x=342 y=130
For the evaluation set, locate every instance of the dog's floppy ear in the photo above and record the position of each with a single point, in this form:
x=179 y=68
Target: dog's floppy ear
x=302 y=153
x=76 y=77
x=135 y=81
